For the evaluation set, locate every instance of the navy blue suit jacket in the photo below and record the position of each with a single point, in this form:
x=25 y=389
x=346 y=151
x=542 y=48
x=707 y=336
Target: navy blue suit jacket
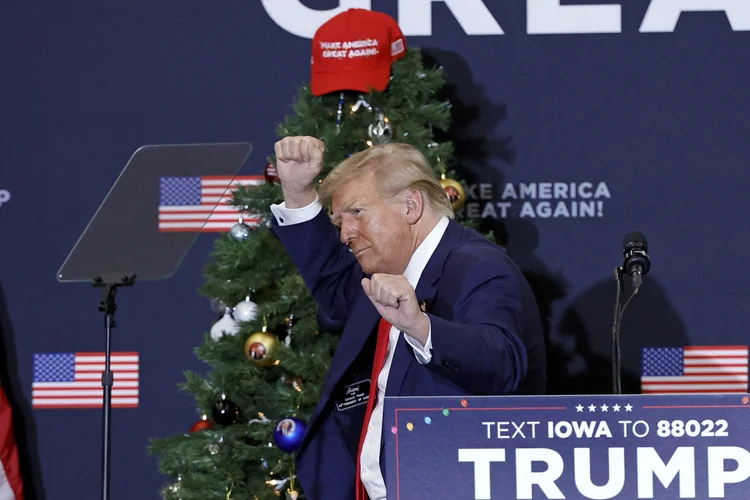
x=486 y=332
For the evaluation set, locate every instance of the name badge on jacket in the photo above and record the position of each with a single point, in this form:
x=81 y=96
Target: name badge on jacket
x=353 y=395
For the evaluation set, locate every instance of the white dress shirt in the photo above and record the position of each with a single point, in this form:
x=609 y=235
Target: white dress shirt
x=370 y=473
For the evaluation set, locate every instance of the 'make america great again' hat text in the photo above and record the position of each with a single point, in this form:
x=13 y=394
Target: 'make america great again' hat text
x=354 y=50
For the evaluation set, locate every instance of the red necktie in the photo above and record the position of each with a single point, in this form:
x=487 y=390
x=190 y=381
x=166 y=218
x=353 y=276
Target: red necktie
x=381 y=349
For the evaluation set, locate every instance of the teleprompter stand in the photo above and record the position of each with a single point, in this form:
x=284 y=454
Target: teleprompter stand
x=108 y=307
x=143 y=229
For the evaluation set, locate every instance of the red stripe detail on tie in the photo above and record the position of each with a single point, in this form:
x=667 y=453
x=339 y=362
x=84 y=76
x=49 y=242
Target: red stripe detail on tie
x=381 y=350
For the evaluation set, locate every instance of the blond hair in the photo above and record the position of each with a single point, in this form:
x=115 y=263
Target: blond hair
x=397 y=167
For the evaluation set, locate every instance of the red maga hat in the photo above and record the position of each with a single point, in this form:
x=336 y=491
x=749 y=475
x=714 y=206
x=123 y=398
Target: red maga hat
x=354 y=50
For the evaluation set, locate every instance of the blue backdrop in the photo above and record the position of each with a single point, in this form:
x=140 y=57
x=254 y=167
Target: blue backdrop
x=644 y=102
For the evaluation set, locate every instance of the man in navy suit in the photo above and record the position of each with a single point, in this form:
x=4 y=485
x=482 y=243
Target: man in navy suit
x=432 y=308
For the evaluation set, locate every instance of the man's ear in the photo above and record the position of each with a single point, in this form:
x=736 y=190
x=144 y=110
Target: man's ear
x=414 y=205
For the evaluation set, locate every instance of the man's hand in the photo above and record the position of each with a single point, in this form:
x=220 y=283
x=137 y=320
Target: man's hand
x=396 y=301
x=299 y=160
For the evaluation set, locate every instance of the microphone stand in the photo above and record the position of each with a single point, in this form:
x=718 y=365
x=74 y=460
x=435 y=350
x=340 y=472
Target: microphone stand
x=616 y=323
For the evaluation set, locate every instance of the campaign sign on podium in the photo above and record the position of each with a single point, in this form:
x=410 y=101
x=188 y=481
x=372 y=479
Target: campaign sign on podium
x=572 y=447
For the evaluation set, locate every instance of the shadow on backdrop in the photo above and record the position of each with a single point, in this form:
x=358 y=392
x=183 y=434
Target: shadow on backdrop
x=24 y=425
x=584 y=337
x=478 y=142
x=475 y=117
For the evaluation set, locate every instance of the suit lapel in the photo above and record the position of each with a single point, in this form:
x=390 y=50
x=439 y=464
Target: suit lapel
x=425 y=296
x=359 y=327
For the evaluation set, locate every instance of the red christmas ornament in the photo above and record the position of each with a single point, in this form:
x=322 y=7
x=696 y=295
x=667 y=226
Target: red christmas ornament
x=201 y=425
x=270 y=173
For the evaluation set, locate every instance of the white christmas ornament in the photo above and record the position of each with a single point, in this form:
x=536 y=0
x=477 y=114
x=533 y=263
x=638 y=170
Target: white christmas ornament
x=225 y=326
x=245 y=310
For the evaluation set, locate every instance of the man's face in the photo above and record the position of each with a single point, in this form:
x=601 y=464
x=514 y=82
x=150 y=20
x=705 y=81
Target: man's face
x=376 y=230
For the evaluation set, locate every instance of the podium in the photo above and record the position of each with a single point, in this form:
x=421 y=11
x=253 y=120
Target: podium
x=568 y=447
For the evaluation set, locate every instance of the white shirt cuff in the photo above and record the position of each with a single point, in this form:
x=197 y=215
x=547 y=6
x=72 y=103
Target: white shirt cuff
x=288 y=216
x=422 y=353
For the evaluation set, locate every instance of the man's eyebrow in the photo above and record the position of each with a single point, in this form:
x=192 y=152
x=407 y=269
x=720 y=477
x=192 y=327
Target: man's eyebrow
x=347 y=207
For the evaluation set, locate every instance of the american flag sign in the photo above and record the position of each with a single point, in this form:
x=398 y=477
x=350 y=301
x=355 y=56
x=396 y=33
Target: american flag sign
x=187 y=203
x=694 y=369
x=74 y=380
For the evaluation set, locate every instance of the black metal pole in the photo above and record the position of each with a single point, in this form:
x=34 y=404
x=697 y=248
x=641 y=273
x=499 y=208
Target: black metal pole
x=107 y=380
x=108 y=306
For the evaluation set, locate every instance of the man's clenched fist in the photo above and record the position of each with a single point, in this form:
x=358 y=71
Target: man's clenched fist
x=299 y=160
x=395 y=299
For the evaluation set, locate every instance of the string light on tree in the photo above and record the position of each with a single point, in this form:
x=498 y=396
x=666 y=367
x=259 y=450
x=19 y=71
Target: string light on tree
x=288 y=323
x=295 y=382
x=339 y=111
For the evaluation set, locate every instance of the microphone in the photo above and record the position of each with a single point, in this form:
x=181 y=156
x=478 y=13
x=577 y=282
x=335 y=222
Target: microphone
x=635 y=251
x=636 y=264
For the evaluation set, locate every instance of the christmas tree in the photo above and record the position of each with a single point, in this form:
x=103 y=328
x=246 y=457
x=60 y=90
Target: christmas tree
x=269 y=354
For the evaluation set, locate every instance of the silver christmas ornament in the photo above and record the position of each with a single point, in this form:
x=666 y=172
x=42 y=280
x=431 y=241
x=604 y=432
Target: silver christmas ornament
x=240 y=231
x=381 y=131
x=225 y=326
x=245 y=310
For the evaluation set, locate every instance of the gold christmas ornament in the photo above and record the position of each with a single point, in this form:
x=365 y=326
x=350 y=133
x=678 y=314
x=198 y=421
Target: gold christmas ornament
x=260 y=348
x=455 y=192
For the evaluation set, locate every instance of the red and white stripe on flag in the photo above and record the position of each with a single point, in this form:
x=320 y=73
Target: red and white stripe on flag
x=11 y=486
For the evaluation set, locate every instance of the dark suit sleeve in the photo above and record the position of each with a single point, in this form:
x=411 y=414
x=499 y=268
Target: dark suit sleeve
x=481 y=349
x=329 y=269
